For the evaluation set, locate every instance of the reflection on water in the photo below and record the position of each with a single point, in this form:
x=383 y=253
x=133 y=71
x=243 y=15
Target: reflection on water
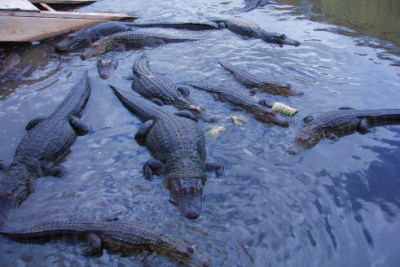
x=369 y=17
x=337 y=204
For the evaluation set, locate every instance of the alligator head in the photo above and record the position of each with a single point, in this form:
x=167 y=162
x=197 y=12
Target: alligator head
x=97 y=48
x=280 y=39
x=188 y=194
x=72 y=41
x=270 y=117
x=182 y=251
x=14 y=189
x=304 y=140
x=106 y=67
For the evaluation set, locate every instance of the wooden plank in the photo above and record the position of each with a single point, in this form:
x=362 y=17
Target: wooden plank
x=17 y=5
x=18 y=28
x=70 y=2
x=72 y=15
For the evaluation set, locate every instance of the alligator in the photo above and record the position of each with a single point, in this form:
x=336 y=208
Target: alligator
x=255 y=83
x=106 y=67
x=190 y=24
x=86 y=36
x=248 y=28
x=260 y=109
x=114 y=236
x=159 y=89
x=136 y=39
x=46 y=140
x=178 y=147
x=253 y=4
x=345 y=121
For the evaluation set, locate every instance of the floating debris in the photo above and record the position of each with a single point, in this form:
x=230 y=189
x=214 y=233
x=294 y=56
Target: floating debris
x=215 y=131
x=283 y=108
x=239 y=120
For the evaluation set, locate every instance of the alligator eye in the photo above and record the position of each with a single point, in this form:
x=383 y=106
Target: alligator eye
x=190 y=249
x=10 y=194
x=182 y=190
x=282 y=36
x=194 y=190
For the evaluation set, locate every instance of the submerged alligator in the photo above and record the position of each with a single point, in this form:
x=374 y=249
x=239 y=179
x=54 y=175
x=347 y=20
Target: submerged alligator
x=46 y=140
x=345 y=121
x=86 y=36
x=253 y=4
x=253 y=82
x=249 y=29
x=189 y=24
x=178 y=147
x=259 y=109
x=106 y=67
x=135 y=39
x=113 y=236
x=158 y=89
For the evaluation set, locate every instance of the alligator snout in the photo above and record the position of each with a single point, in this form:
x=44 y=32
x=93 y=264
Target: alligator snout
x=188 y=194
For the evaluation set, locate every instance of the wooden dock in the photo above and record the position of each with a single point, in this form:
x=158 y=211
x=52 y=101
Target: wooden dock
x=22 y=21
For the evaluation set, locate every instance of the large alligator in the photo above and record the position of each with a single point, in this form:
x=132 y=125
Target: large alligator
x=253 y=82
x=86 y=36
x=177 y=145
x=159 y=89
x=46 y=140
x=248 y=28
x=113 y=236
x=345 y=121
x=186 y=24
x=239 y=99
x=135 y=39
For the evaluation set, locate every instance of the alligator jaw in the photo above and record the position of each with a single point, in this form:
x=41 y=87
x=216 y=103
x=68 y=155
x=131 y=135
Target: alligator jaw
x=187 y=193
x=11 y=196
x=280 y=39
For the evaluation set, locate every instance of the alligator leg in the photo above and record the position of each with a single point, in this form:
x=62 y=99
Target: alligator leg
x=141 y=134
x=34 y=122
x=157 y=101
x=57 y=171
x=186 y=114
x=152 y=165
x=184 y=91
x=3 y=165
x=95 y=246
x=363 y=126
x=215 y=166
x=79 y=126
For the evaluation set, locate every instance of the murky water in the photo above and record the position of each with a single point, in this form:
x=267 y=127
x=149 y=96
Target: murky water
x=334 y=205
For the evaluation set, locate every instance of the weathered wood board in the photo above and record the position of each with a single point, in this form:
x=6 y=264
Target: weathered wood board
x=70 y=2
x=23 y=5
x=31 y=26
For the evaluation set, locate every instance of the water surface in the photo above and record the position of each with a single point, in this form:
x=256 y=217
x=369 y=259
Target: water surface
x=334 y=205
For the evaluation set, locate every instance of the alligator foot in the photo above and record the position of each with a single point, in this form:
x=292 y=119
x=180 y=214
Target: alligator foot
x=141 y=134
x=34 y=122
x=57 y=171
x=157 y=101
x=363 y=126
x=215 y=166
x=184 y=91
x=79 y=126
x=152 y=166
x=186 y=114
x=94 y=246
x=3 y=165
